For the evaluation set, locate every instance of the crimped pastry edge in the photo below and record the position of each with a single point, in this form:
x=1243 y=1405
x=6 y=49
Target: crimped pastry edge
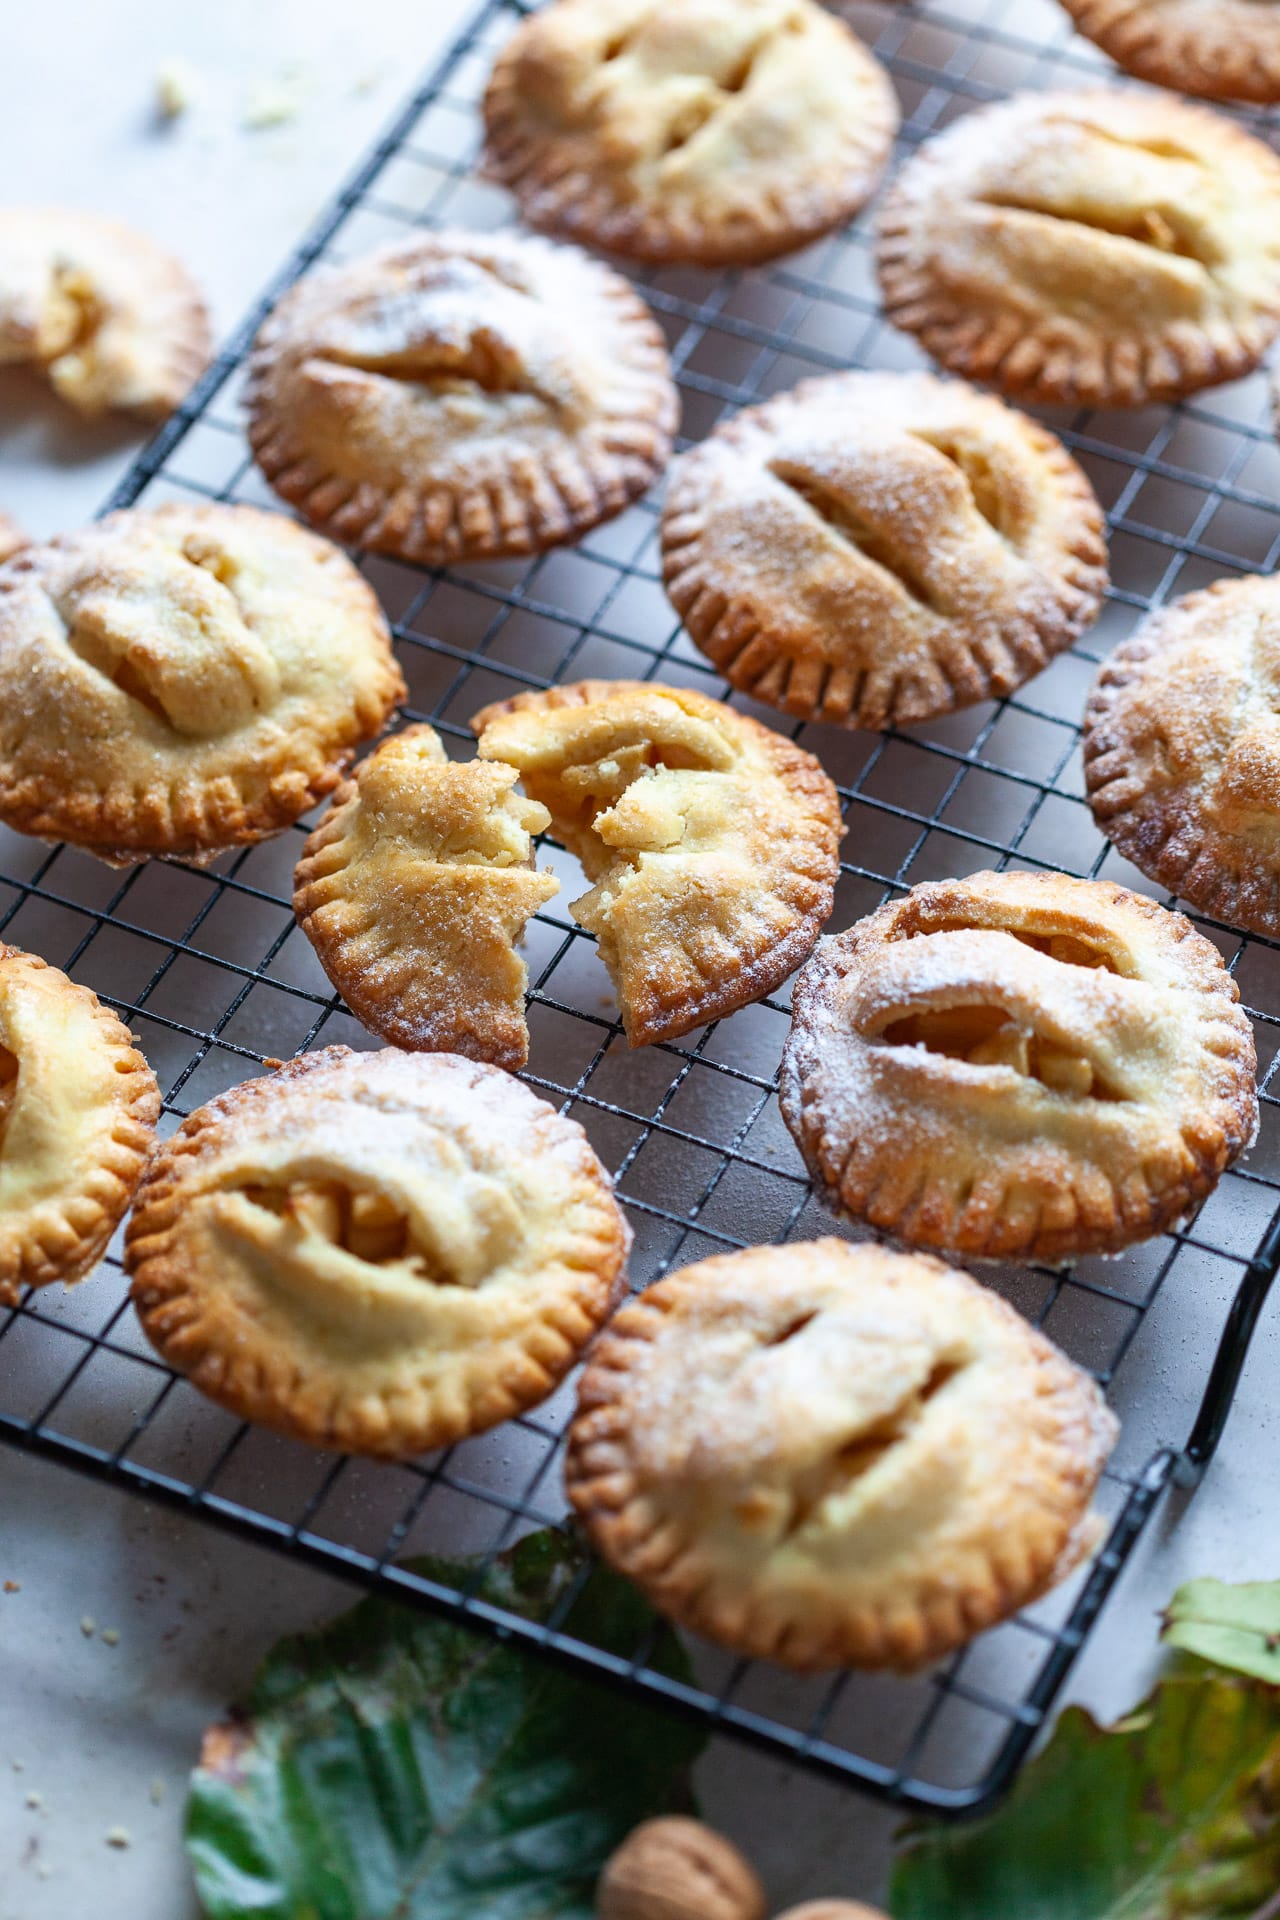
x=1211 y=1146
x=160 y=1296
x=1029 y=363
x=1217 y=61
x=726 y=628
x=612 y=1506
x=64 y=1240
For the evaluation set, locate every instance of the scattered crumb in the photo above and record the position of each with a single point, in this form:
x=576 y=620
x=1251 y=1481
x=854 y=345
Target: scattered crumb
x=271 y=103
x=157 y=1792
x=368 y=81
x=111 y=1635
x=176 y=87
x=43 y=1869
x=119 y=1837
x=12 y=1586
x=88 y=1626
x=35 y=1801
x=19 y=1766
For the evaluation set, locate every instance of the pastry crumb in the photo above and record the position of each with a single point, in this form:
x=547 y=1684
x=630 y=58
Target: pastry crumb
x=12 y=1586
x=158 y=1791
x=35 y=1801
x=88 y=1626
x=176 y=86
x=271 y=103
x=19 y=1766
x=111 y=1635
x=43 y=1869
x=119 y=1837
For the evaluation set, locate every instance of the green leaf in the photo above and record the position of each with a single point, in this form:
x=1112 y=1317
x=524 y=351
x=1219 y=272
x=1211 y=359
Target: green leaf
x=397 y=1767
x=1236 y=1627
x=1174 y=1814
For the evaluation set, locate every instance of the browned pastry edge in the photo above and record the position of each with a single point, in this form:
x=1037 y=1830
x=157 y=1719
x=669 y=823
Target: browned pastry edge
x=1232 y=56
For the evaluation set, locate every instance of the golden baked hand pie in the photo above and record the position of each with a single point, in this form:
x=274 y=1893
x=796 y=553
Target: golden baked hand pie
x=1224 y=49
x=461 y=395
x=709 y=841
x=716 y=131
x=380 y=1253
x=116 y=324
x=78 y=1107
x=1106 y=249
x=830 y=1455
x=877 y=548
x=414 y=890
x=1019 y=1066
x=1182 y=750
x=179 y=679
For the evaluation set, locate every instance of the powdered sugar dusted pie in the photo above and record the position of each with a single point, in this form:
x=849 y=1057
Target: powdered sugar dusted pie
x=835 y=1456
x=179 y=679
x=1106 y=248
x=877 y=548
x=414 y=890
x=78 y=1107
x=1224 y=49
x=710 y=841
x=1019 y=1066
x=461 y=395
x=716 y=131
x=115 y=323
x=1182 y=750
x=377 y=1252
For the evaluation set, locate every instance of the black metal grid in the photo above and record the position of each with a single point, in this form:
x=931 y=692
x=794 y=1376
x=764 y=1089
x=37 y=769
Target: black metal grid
x=211 y=973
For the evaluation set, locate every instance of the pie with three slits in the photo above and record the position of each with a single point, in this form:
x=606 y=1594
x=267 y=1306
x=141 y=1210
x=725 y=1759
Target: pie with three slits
x=716 y=131
x=709 y=840
x=179 y=679
x=1019 y=1066
x=380 y=1253
x=414 y=890
x=830 y=1455
x=1102 y=249
x=460 y=396
x=78 y=1107
x=876 y=548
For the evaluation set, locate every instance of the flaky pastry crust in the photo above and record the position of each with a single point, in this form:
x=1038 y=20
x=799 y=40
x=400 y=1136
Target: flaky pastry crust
x=78 y=1107
x=12 y=538
x=710 y=841
x=720 y=131
x=830 y=1455
x=874 y=549
x=1223 y=49
x=1019 y=1066
x=461 y=396
x=114 y=322
x=179 y=679
x=414 y=890
x=380 y=1253
x=1106 y=249
x=1182 y=750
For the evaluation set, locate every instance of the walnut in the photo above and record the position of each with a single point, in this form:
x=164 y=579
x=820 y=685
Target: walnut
x=676 y=1869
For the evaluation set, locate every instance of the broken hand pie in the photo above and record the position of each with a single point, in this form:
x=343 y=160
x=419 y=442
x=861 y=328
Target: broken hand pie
x=717 y=131
x=835 y=1456
x=415 y=888
x=875 y=549
x=1223 y=49
x=115 y=323
x=1019 y=1066
x=179 y=679
x=1182 y=750
x=380 y=1253
x=1104 y=249
x=710 y=841
x=460 y=396
x=78 y=1107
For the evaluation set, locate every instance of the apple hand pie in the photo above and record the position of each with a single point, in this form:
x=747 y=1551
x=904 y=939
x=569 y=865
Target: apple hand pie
x=78 y=1107
x=874 y=549
x=717 y=131
x=1019 y=1066
x=414 y=890
x=461 y=396
x=831 y=1456
x=115 y=323
x=1102 y=249
x=179 y=679
x=1182 y=750
x=380 y=1253
x=710 y=841
x=1223 y=49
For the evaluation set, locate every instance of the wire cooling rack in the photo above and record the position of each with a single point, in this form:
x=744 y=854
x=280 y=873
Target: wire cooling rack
x=210 y=971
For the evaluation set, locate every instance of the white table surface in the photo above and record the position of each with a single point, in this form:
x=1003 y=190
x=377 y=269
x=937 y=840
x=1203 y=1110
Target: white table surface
x=103 y=1735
